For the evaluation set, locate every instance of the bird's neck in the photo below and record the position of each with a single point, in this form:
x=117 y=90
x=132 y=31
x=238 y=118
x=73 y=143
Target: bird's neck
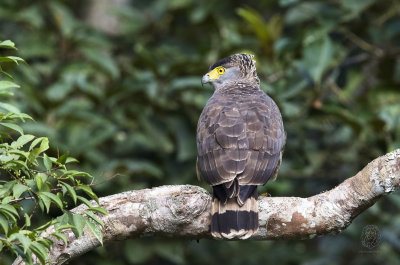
x=237 y=87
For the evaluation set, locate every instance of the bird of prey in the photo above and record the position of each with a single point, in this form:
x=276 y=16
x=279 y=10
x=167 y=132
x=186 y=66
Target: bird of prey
x=240 y=140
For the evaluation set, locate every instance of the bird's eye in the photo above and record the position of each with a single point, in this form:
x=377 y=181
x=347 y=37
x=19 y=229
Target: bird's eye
x=221 y=70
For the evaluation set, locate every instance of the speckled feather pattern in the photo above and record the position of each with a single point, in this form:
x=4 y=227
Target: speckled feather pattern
x=240 y=135
x=246 y=65
x=240 y=140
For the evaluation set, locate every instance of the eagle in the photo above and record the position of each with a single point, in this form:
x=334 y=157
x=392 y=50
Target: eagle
x=240 y=141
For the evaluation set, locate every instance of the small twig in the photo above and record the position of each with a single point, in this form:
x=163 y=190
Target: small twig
x=22 y=199
x=335 y=88
x=355 y=59
x=392 y=11
x=46 y=171
x=362 y=43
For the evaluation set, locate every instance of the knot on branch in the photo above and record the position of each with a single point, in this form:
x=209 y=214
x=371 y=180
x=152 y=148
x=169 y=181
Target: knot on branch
x=189 y=204
x=174 y=212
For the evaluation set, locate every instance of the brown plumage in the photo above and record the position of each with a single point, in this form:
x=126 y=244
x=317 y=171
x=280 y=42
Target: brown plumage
x=240 y=140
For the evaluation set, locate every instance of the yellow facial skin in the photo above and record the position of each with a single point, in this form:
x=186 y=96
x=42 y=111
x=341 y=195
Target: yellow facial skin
x=215 y=73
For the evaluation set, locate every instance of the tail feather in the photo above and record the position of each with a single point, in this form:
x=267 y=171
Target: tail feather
x=230 y=220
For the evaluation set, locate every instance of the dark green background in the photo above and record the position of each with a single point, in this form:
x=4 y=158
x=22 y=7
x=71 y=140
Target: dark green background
x=126 y=104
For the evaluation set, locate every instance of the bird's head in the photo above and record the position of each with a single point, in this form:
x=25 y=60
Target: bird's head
x=237 y=68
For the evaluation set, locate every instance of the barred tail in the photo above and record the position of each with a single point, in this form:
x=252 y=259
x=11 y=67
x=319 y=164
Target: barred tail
x=230 y=220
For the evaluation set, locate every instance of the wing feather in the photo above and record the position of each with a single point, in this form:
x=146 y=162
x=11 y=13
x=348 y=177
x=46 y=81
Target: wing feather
x=239 y=137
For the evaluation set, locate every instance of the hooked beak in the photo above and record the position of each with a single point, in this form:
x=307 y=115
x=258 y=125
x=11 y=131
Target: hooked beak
x=210 y=76
x=205 y=79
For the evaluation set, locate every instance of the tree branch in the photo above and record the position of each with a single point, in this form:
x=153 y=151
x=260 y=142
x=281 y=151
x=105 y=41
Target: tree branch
x=184 y=211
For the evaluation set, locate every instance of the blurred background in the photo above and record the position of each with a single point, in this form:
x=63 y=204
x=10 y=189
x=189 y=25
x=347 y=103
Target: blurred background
x=117 y=84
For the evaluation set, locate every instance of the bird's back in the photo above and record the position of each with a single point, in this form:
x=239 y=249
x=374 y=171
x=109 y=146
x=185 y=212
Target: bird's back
x=236 y=130
x=240 y=138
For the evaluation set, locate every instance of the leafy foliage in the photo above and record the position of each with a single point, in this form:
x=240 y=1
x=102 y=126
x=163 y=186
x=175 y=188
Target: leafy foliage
x=29 y=174
x=125 y=100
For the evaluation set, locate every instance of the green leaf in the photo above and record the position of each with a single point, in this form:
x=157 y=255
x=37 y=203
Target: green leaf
x=79 y=222
x=7 y=188
x=63 y=158
x=44 y=145
x=71 y=191
x=4 y=224
x=303 y=12
x=62 y=219
x=22 y=140
x=65 y=21
x=88 y=191
x=37 y=141
x=8 y=215
x=318 y=57
x=14 y=59
x=9 y=108
x=12 y=127
x=18 y=164
x=71 y=160
x=20 y=153
x=325 y=55
x=63 y=227
x=21 y=116
x=9 y=208
x=18 y=189
x=19 y=252
x=7 y=85
x=356 y=6
x=103 y=60
x=95 y=229
x=40 y=251
x=25 y=241
x=98 y=209
x=8 y=76
x=76 y=173
x=45 y=200
x=47 y=162
x=6 y=91
x=46 y=242
x=44 y=226
x=27 y=220
x=7 y=200
x=39 y=181
x=95 y=217
x=33 y=155
x=61 y=236
x=54 y=198
x=84 y=200
x=7 y=44
x=264 y=31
